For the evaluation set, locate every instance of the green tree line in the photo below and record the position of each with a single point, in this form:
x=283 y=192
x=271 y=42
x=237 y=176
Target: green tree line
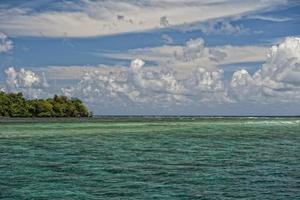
x=15 y=105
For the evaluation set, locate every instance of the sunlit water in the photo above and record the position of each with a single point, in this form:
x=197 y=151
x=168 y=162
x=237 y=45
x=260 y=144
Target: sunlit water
x=176 y=159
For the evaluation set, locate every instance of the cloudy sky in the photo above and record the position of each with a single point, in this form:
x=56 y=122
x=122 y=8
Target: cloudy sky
x=156 y=57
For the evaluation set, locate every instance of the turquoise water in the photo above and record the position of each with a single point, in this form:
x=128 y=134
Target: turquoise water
x=151 y=159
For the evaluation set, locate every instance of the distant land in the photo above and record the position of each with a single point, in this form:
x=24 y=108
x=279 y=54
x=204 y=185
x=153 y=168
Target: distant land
x=14 y=105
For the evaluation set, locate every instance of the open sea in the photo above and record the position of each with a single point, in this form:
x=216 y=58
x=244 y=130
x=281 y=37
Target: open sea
x=150 y=158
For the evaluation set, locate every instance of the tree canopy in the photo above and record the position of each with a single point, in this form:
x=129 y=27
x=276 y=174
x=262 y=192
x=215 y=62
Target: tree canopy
x=15 y=105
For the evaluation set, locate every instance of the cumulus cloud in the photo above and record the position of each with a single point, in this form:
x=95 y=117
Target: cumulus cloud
x=194 y=49
x=5 y=44
x=142 y=85
x=136 y=85
x=25 y=81
x=87 y=18
x=23 y=78
x=278 y=78
x=244 y=86
x=161 y=85
x=206 y=85
x=97 y=88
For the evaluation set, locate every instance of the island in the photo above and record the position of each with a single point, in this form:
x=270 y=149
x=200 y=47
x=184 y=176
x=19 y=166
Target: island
x=16 y=105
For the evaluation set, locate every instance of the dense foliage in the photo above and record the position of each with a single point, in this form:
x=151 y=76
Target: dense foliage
x=15 y=105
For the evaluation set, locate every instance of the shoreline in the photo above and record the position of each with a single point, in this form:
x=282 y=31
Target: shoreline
x=139 y=118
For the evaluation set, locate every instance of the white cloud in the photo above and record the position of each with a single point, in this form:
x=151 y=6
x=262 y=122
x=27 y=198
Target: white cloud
x=184 y=75
x=97 y=18
x=5 y=44
x=244 y=86
x=162 y=85
x=278 y=78
x=25 y=81
x=270 y=18
x=11 y=77
x=203 y=81
x=157 y=85
x=141 y=85
x=206 y=85
x=194 y=54
x=137 y=85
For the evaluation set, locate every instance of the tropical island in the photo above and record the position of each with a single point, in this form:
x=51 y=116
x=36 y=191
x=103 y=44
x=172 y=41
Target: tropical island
x=16 y=105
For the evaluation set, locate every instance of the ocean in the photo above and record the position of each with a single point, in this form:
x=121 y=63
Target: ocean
x=151 y=158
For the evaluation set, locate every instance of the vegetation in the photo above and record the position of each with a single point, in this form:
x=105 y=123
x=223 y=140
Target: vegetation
x=15 y=105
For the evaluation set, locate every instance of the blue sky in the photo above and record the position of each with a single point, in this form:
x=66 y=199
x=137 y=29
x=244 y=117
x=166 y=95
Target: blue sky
x=155 y=57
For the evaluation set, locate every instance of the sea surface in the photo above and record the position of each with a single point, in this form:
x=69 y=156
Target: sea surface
x=143 y=158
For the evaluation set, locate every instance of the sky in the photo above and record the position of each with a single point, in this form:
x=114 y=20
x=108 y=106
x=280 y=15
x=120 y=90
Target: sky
x=155 y=57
